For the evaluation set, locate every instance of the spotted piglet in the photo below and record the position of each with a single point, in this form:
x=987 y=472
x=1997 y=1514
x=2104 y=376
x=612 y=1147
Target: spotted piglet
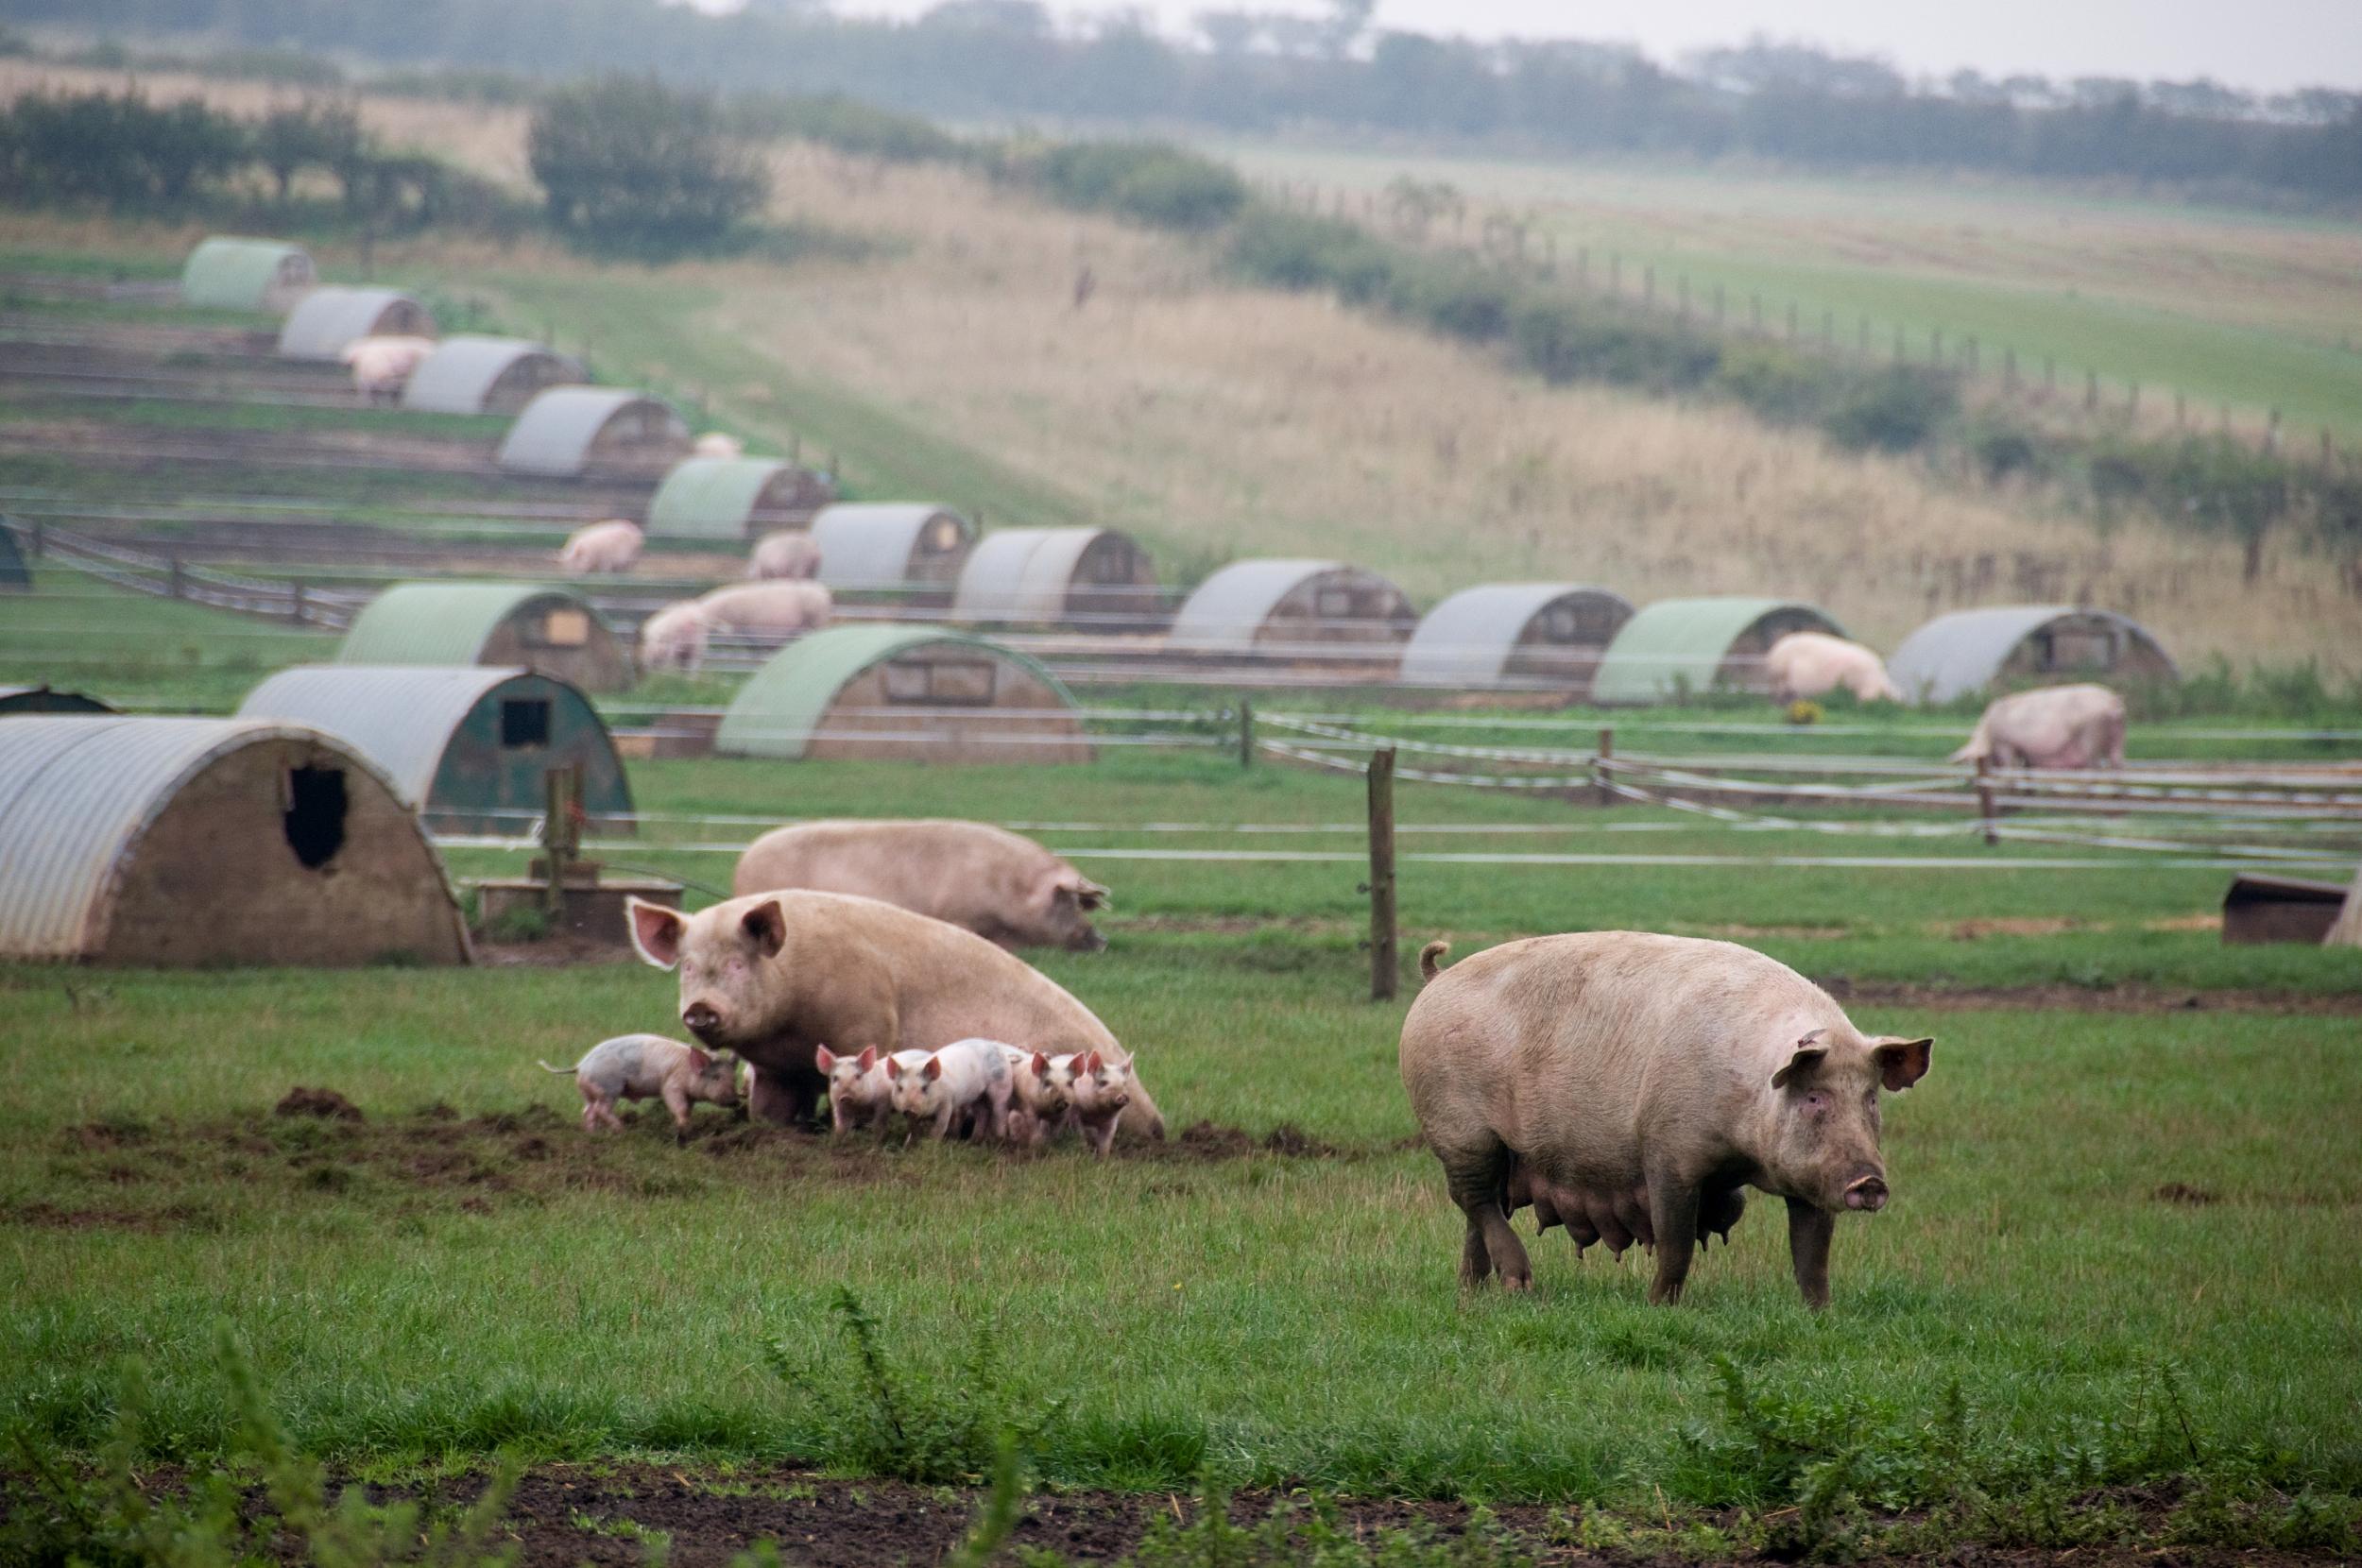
x=649 y=1066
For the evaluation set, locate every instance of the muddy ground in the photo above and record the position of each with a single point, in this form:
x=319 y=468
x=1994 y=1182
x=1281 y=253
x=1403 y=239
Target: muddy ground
x=611 y=1515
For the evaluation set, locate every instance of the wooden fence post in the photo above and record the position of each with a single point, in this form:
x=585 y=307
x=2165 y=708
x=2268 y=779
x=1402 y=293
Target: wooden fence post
x=1984 y=798
x=38 y=543
x=1382 y=963
x=295 y=602
x=2091 y=389
x=1246 y=731
x=176 y=584
x=1600 y=766
x=560 y=837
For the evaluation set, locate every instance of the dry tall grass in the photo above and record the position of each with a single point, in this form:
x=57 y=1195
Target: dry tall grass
x=1216 y=420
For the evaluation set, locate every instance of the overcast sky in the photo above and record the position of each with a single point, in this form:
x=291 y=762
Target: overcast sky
x=2265 y=45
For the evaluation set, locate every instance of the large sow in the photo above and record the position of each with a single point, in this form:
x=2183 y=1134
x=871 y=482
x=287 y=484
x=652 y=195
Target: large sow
x=774 y=978
x=1007 y=889
x=1629 y=1086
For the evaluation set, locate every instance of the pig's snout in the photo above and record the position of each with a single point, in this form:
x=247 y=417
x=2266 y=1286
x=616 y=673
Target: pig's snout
x=1866 y=1193
x=700 y=1019
x=1093 y=942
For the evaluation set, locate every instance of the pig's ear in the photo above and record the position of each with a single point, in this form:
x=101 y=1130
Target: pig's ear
x=699 y=1060
x=867 y=1059
x=824 y=1059
x=932 y=1070
x=894 y=1068
x=1901 y=1063
x=1041 y=1066
x=1089 y=894
x=1809 y=1051
x=656 y=931
x=1088 y=1065
x=766 y=926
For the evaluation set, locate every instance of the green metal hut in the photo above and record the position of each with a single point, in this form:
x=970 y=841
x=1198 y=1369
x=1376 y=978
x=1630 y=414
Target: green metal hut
x=902 y=693
x=1677 y=645
x=736 y=498
x=543 y=629
x=468 y=746
x=232 y=274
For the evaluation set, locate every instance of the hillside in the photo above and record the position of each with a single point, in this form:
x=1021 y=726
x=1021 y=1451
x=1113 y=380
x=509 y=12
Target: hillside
x=934 y=340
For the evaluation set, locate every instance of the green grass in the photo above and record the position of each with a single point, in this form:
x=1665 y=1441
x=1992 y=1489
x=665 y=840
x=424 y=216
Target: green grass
x=1295 y=1320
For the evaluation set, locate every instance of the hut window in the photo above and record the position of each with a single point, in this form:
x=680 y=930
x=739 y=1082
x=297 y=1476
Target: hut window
x=315 y=818
x=2070 y=648
x=947 y=682
x=943 y=534
x=1558 y=624
x=1333 y=604
x=565 y=629
x=525 y=722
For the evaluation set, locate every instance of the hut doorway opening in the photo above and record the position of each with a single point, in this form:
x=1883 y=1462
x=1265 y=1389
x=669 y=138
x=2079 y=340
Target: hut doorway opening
x=524 y=722
x=315 y=818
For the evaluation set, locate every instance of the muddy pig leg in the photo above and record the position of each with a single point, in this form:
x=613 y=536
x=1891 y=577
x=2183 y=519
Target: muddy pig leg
x=1808 y=1231
x=1673 y=1225
x=1477 y=1181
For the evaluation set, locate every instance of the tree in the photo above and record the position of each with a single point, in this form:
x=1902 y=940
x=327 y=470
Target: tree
x=313 y=134
x=628 y=162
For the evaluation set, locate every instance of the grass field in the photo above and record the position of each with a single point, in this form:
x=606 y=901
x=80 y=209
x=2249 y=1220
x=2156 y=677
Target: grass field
x=2233 y=307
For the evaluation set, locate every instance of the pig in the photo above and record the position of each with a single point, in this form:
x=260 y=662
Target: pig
x=1628 y=1084
x=794 y=555
x=1810 y=664
x=610 y=546
x=1041 y=1093
x=714 y=443
x=771 y=977
x=1102 y=1088
x=966 y=1081
x=381 y=367
x=775 y=607
x=649 y=1066
x=673 y=637
x=858 y=1086
x=1007 y=889
x=2058 y=727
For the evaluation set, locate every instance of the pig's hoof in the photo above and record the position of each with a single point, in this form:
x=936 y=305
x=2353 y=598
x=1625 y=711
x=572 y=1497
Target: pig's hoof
x=1518 y=1284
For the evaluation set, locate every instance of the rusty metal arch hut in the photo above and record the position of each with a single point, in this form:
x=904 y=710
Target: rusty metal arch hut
x=327 y=319
x=468 y=746
x=578 y=432
x=1274 y=603
x=1046 y=576
x=182 y=842
x=1970 y=651
x=472 y=374
x=888 y=544
x=1507 y=633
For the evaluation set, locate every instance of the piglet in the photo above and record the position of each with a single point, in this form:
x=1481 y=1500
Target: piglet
x=1102 y=1087
x=1041 y=1093
x=966 y=1080
x=649 y=1066
x=858 y=1087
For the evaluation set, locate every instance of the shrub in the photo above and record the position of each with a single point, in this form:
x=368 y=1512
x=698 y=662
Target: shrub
x=116 y=149
x=845 y=124
x=1455 y=298
x=627 y=162
x=1290 y=250
x=1896 y=409
x=1778 y=384
x=1561 y=341
x=1148 y=181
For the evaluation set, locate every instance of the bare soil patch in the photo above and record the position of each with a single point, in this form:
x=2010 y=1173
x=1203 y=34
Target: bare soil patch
x=567 y=1514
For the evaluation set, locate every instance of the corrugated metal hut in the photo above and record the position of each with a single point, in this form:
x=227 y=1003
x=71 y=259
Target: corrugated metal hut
x=470 y=374
x=466 y=746
x=1679 y=645
x=16 y=700
x=1970 y=650
x=1054 y=575
x=15 y=575
x=570 y=432
x=326 y=319
x=543 y=629
x=883 y=544
x=1515 y=631
x=903 y=693
x=232 y=274
x=179 y=842
x=1272 y=604
x=736 y=498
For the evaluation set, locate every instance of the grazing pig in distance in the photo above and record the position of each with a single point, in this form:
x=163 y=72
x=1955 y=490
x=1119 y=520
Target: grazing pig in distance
x=649 y=1066
x=673 y=637
x=1628 y=1084
x=795 y=556
x=1102 y=1088
x=2059 y=727
x=1811 y=664
x=966 y=1081
x=1004 y=888
x=610 y=546
x=774 y=976
x=768 y=608
x=714 y=443
x=381 y=367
